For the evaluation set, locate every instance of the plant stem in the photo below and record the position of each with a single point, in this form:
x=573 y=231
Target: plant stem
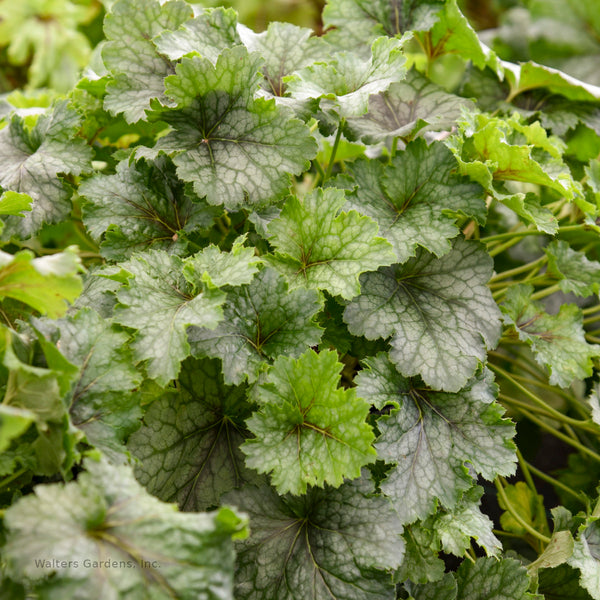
x=560 y=435
x=336 y=143
x=556 y=483
x=519 y=270
x=12 y=477
x=537 y=400
x=319 y=169
x=526 y=473
x=546 y=292
x=591 y=309
x=518 y=518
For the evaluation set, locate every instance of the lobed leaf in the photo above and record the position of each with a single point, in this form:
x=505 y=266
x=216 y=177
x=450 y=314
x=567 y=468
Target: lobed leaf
x=308 y=431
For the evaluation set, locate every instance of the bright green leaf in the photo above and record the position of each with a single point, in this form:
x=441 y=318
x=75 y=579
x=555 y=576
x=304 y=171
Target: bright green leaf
x=319 y=248
x=529 y=506
x=47 y=284
x=13 y=422
x=308 y=431
x=14 y=203
x=237 y=267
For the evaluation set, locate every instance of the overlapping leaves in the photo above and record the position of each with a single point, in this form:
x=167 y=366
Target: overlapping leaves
x=234 y=149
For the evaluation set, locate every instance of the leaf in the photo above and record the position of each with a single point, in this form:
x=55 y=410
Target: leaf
x=320 y=248
x=107 y=516
x=13 y=203
x=407 y=109
x=415 y=199
x=37 y=393
x=346 y=81
x=530 y=75
x=102 y=401
x=188 y=448
x=444 y=589
x=285 y=48
x=586 y=557
x=262 y=321
x=421 y=561
x=456 y=527
x=331 y=544
x=32 y=161
x=138 y=69
x=308 y=431
x=430 y=436
x=558 y=341
x=13 y=422
x=237 y=267
x=574 y=271
x=161 y=304
x=47 y=284
x=528 y=505
x=593 y=401
x=141 y=207
x=452 y=34
x=360 y=21
x=488 y=579
x=491 y=149
x=236 y=150
x=208 y=33
x=439 y=313
x=561 y=583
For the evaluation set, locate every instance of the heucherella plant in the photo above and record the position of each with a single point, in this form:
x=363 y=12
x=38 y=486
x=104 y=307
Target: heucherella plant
x=282 y=313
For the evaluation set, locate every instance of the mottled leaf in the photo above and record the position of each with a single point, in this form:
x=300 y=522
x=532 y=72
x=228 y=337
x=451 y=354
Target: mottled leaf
x=32 y=160
x=188 y=447
x=407 y=109
x=439 y=313
x=261 y=321
x=430 y=436
x=558 y=341
x=141 y=207
x=331 y=544
x=107 y=516
x=416 y=199
x=236 y=150
x=161 y=304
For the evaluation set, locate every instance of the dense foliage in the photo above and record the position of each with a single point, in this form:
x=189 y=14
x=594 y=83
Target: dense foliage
x=288 y=316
